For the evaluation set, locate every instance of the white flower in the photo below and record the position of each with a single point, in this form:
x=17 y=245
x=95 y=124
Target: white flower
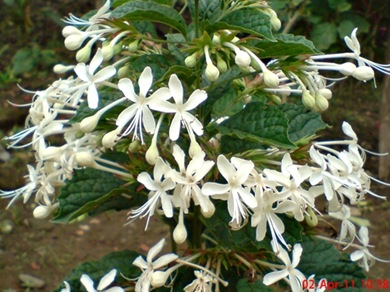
x=202 y=283
x=139 y=113
x=158 y=192
x=294 y=276
x=363 y=255
x=103 y=284
x=347 y=230
x=181 y=110
x=87 y=74
x=67 y=287
x=149 y=267
x=187 y=180
x=235 y=191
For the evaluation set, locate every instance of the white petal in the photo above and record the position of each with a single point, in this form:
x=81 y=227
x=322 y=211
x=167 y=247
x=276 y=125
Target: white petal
x=115 y=289
x=164 y=260
x=167 y=206
x=145 y=81
x=87 y=283
x=140 y=263
x=357 y=255
x=179 y=156
x=176 y=89
x=154 y=250
x=225 y=167
x=296 y=256
x=145 y=179
x=81 y=72
x=196 y=98
x=347 y=129
x=148 y=120
x=126 y=115
x=95 y=62
x=93 y=96
x=107 y=279
x=273 y=277
x=211 y=188
x=174 y=129
x=126 y=86
x=104 y=74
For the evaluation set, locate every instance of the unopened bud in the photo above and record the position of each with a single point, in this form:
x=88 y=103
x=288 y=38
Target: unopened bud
x=270 y=79
x=108 y=52
x=212 y=72
x=347 y=68
x=363 y=73
x=276 y=24
x=276 y=99
x=152 y=154
x=180 y=232
x=221 y=64
x=322 y=103
x=133 y=47
x=209 y=212
x=242 y=59
x=123 y=72
x=85 y=159
x=61 y=69
x=69 y=30
x=51 y=152
x=311 y=218
x=42 y=212
x=84 y=54
x=74 y=41
x=308 y=100
x=134 y=146
x=111 y=138
x=159 y=278
x=89 y=124
x=190 y=61
x=325 y=92
x=194 y=148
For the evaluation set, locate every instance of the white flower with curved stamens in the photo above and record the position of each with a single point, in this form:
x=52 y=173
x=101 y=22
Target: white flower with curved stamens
x=202 y=283
x=187 y=180
x=150 y=267
x=290 y=179
x=363 y=255
x=348 y=229
x=87 y=74
x=292 y=275
x=103 y=283
x=139 y=112
x=235 y=191
x=181 y=110
x=102 y=13
x=158 y=188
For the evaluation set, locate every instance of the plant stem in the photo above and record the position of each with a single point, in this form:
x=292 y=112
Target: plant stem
x=196 y=20
x=196 y=228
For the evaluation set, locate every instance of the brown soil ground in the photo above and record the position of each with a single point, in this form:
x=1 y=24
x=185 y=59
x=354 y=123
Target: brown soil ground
x=49 y=252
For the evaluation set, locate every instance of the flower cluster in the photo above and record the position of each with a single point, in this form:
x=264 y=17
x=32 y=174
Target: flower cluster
x=201 y=142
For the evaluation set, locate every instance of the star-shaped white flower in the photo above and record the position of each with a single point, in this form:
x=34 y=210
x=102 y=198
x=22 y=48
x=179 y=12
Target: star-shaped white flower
x=103 y=284
x=181 y=110
x=294 y=276
x=87 y=74
x=187 y=180
x=150 y=268
x=202 y=283
x=158 y=188
x=138 y=114
x=235 y=190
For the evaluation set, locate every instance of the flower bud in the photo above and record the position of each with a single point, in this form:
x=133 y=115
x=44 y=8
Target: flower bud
x=85 y=159
x=134 y=146
x=242 y=59
x=347 y=68
x=89 y=124
x=69 y=30
x=42 y=212
x=133 y=47
x=123 y=72
x=270 y=79
x=212 y=72
x=311 y=218
x=209 y=212
x=322 y=103
x=159 y=278
x=73 y=42
x=61 y=69
x=276 y=99
x=180 y=232
x=194 y=148
x=308 y=100
x=276 y=24
x=190 y=61
x=363 y=73
x=51 y=152
x=152 y=154
x=111 y=138
x=221 y=64
x=108 y=52
x=325 y=92
x=83 y=55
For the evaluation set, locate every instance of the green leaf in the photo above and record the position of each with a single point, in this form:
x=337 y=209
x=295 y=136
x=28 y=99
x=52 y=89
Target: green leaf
x=259 y=123
x=159 y=64
x=92 y=192
x=345 y=28
x=150 y=11
x=246 y=21
x=173 y=45
x=324 y=35
x=228 y=104
x=208 y=9
x=122 y=261
x=303 y=123
x=339 y=5
x=244 y=285
x=286 y=45
x=24 y=61
x=323 y=259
